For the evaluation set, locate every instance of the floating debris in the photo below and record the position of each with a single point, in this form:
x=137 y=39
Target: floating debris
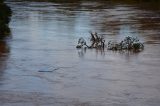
x=45 y=71
x=48 y=70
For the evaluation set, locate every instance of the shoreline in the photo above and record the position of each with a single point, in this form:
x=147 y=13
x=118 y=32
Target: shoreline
x=5 y=14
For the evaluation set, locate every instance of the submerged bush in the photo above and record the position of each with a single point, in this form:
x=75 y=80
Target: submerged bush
x=98 y=42
x=129 y=43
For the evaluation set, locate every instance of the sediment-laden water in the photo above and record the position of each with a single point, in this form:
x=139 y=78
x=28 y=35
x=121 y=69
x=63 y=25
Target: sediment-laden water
x=43 y=38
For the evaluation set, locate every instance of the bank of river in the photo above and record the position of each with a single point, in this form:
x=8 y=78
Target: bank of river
x=44 y=36
x=5 y=14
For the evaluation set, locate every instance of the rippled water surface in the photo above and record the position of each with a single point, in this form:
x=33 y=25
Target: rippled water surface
x=43 y=38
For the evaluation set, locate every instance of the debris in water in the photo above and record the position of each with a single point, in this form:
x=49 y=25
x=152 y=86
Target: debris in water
x=48 y=70
x=44 y=71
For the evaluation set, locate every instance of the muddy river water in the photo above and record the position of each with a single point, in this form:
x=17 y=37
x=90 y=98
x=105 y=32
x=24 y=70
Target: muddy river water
x=43 y=38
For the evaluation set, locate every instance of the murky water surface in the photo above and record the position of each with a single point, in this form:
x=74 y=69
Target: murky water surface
x=43 y=38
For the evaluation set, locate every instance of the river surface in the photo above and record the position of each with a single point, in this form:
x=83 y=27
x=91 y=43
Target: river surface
x=43 y=38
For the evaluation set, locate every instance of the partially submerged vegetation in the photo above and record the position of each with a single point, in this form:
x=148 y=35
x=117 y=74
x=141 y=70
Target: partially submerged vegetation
x=129 y=43
x=98 y=42
x=5 y=13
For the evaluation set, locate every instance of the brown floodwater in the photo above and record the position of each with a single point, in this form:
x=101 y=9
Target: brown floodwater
x=43 y=38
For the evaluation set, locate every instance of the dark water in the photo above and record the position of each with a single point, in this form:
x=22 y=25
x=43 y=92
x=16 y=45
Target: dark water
x=44 y=36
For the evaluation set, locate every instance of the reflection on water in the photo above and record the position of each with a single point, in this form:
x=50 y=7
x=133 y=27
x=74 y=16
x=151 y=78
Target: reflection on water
x=4 y=49
x=4 y=52
x=44 y=36
x=83 y=51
